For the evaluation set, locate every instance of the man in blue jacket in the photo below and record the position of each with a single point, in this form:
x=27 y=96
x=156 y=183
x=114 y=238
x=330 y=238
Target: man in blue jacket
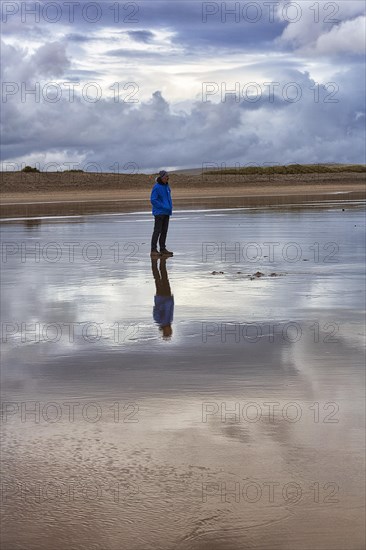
x=162 y=210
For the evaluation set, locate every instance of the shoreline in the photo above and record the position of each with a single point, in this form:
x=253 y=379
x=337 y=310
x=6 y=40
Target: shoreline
x=179 y=194
x=113 y=206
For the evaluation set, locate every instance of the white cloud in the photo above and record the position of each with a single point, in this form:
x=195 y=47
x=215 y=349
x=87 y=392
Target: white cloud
x=348 y=37
x=324 y=28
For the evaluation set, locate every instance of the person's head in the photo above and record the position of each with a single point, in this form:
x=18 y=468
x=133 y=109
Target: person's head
x=163 y=176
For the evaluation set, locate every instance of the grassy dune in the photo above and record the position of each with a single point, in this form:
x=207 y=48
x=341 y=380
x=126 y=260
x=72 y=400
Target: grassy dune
x=290 y=169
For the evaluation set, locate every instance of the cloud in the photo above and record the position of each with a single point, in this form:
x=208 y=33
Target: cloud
x=169 y=52
x=124 y=52
x=77 y=37
x=146 y=37
x=324 y=28
x=153 y=133
x=348 y=37
x=50 y=60
x=47 y=61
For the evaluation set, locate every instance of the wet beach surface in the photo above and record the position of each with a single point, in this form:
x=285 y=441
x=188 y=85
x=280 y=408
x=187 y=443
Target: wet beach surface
x=121 y=201
x=243 y=430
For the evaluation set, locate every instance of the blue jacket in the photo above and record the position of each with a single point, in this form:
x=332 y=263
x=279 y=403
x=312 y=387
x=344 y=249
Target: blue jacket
x=163 y=310
x=161 y=199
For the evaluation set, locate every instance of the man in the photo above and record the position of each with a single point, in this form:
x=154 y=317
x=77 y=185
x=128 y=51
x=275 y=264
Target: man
x=162 y=210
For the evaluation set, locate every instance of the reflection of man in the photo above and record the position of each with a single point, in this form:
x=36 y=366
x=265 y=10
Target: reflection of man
x=164 y=301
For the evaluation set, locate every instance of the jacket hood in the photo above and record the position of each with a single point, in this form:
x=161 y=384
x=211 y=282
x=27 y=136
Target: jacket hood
x=160 y=182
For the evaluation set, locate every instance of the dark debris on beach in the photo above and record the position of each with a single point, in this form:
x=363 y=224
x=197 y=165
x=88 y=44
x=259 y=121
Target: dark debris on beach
x=253 y=276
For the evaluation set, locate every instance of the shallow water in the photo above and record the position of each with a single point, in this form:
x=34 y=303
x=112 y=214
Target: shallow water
x=243 y=429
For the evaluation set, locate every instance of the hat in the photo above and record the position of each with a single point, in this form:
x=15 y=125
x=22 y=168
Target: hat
x=163 y=173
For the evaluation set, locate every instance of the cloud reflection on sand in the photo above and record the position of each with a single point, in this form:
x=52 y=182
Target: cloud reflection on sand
x=187 y=436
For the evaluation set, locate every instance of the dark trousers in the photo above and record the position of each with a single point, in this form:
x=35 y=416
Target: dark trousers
x=161 y=278
x=160 y=231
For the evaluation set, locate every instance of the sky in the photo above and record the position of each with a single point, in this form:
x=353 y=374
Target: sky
x=139 y=86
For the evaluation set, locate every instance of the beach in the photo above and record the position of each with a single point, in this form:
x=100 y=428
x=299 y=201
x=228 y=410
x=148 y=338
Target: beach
x=183 y=229
x=42 y=194
x=244 y=429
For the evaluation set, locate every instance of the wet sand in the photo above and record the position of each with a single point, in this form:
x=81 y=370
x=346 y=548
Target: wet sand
x=244 y=430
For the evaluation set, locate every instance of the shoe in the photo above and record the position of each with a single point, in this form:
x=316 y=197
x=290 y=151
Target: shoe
x=166 y=252
x=155 y=254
